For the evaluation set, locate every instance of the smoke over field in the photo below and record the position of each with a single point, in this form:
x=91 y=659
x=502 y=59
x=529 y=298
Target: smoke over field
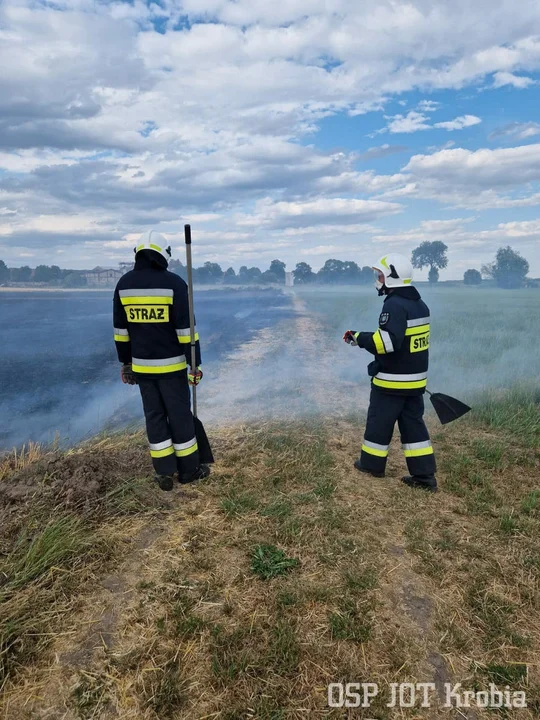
x=265 y=355
x=60 y=373
x=481 y=339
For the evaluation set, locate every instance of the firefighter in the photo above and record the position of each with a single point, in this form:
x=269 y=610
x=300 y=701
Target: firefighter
x=398 y=376
x=152 y=336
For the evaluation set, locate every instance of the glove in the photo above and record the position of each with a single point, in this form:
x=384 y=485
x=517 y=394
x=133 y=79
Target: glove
x=195 y=376
x=351 y=337
x=126 y=373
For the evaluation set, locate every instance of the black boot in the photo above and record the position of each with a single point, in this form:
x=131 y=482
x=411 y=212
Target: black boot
x=427 y=482
x=203 y=471
x=361 y=469
x=165 y=482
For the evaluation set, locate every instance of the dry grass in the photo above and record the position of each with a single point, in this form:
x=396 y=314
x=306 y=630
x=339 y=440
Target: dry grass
x=245 y=596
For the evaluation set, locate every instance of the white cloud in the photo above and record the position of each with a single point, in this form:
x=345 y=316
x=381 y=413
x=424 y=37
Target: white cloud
x=322 y=211
x=415 y=121
x=105 y=119
x=463 y=121
x=507 y=78
x=412 y=122
x=517 y=130
x=483 y=168
x=428 y=105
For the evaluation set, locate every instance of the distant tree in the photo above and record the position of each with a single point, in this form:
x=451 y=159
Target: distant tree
x=351 y=273
x=344 y=272
x=269 y=276
x=249 y=275
x=22 y=274
x=74 y=280
x=254 y=274
x=366 y=275
x=209 y=273
x=4 y=271
x=278 y=268
x=432 y=255
x=44 y=273
x=331 y=272
x=229 y=276
x=303 y=274
x=472 y=277
x=509 y=268
x=177 y=267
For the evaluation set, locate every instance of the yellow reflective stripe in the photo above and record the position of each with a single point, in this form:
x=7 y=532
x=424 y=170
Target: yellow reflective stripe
x=372 y=451
x=153 y=369
x=400 y=385
x=407 y=281
x=379 y=345
x=417 y=330
x=156 y=247
x=383 y=262
x=147 y=300
x=419 y=452
x=189 y=451
x=121 y=338
x=162 y=453
x=186 y=339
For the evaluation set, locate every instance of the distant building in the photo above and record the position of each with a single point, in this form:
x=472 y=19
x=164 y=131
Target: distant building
x=289 y=279
x=102 y=277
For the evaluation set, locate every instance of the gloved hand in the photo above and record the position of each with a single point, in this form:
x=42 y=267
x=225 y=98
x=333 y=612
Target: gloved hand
x=351 y=337
x=127 y=375
x=195 y=376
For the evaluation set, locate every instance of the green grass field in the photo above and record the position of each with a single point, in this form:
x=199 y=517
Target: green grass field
x=245 y=596
x=484 y=341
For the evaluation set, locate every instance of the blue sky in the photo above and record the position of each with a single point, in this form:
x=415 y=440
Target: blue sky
x=302 y=130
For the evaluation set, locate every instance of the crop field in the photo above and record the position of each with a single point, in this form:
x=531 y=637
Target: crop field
x=285 y=571
x=482 y=339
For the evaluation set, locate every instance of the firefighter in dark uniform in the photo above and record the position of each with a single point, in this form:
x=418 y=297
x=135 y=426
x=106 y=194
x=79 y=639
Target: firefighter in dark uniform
x=398 y=376
x=152 y=335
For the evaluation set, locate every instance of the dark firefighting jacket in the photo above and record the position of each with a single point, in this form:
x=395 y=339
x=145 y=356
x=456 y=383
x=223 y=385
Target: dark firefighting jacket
x=151 y=319
x=400 y=344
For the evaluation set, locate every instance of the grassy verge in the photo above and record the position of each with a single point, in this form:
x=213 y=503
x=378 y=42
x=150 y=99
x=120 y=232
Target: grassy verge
x=284 y=572
x=63 y=520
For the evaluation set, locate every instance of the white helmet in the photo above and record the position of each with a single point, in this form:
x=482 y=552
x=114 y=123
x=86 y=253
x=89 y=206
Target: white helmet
x=153 y=240
x=396 y=271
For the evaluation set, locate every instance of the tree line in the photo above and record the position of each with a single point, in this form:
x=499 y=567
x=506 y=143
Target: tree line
x=50 y=274
x=333 y=272
x=508 y=270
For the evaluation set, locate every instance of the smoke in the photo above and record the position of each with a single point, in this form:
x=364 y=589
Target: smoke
x=60 y=372
x=266 y=355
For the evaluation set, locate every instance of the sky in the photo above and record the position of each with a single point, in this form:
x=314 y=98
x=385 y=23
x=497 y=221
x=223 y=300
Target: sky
x=299 y=130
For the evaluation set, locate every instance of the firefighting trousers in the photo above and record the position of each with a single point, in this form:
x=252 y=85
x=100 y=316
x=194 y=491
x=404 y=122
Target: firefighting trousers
x=169 y=424
x=408 y=410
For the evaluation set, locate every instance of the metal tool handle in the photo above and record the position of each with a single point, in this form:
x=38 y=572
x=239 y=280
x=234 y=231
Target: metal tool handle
x=187 y=237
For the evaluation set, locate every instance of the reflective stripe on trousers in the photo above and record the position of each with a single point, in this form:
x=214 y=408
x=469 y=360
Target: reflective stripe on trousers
x=373 y=448
x=162 y=449
x=417 y=449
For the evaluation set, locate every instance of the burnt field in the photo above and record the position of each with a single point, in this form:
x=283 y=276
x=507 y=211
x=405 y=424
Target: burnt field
x=60 y=374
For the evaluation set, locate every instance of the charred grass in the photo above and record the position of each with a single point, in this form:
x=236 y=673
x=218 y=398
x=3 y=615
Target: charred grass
x=286 y=571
